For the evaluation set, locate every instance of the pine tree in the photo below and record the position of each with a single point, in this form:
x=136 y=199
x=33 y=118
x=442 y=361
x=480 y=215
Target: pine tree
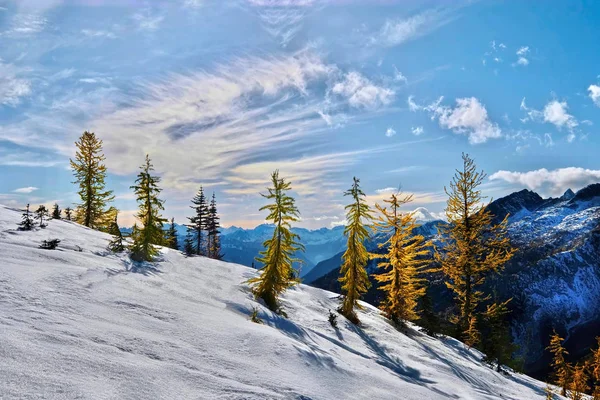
x=116 y=244
x=560 y=366
x=68 y=213
x=354 y=279
x=278 y=256
x=497 y=344
x=213 y=233
x=471 y=246
x=428 y=319
x=403 y=262
x=171 y=236
x=199 y=221
x=90 y=174
x=549 y=392
x=56 y=212
x=188 y=244
x=579 y=383
x=41 y=212
x=27 y=223
x=151 y=233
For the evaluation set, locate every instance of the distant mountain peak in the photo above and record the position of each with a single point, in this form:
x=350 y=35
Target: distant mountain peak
x=424 y=215
x=568 y=195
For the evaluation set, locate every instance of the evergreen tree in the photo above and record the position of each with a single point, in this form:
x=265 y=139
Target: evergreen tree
x=579 y=382
x=277 y=258
x=198 y=223
x=428 y=319
x=68 y=213
x=171 y=236
x=497 y=343
x=90 y=174
x=213 y=232
x=56 y=212
x=27 y=222
x=116 y=244
x=188 y=246
x=403 y=262
x=354 y=279
x=560 y=366
x=41 y=212
x=471 y=246
x=151 y=233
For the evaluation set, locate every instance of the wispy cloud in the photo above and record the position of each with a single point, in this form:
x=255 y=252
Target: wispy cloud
x=554 y=182
x=147 y=20
x=98 y=33
x=25 y=190
x=361 y=92
x=468 y=117
x=13 y=87
x=397 y=31
x=390 y=132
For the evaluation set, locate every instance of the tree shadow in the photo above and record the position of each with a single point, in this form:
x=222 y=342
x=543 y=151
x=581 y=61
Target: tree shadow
x=136 y=267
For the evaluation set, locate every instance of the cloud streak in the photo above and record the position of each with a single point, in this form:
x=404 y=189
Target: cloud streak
x=554 y=182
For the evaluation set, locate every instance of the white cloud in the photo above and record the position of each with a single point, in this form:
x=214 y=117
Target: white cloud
x=387 y=190
x=523 y=51
x=147 y=21
x=523 y=61
x=397 y=31
x=12 y=86
x=554 y=182
x=390 y=132
x=555 y=112
x=398 y=76
x=98 y=33
x=361 y=92
x=595 y=94
x=417 y=131
x=25 y=190
x=282 y=19
x=468 y=117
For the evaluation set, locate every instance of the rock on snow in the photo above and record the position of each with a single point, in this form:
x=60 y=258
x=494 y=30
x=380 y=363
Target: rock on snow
x=91 y=325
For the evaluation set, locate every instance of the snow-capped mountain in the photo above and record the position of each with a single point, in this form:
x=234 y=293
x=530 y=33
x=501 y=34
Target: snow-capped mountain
x=554 y=279
x=80 y=322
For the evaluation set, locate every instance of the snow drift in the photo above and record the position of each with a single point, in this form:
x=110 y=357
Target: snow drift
x=80 y=322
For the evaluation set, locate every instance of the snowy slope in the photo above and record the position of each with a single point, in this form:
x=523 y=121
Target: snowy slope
x=90 y=325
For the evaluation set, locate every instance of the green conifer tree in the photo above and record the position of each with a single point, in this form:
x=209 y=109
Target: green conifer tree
x=116 y=244
x=404 y=261
x=56 y=212
x=90 y=174
x=41 y=213
x=278 y=256
x=198 y=223
x=428 y=319
x=151 y=233
x=27 y=222
x=171 y=236
x=470 y=246
x=188 y=244
x=69 y=214
x=213 y=232
x=354 y=279
x=497 y=342
x=560 y=366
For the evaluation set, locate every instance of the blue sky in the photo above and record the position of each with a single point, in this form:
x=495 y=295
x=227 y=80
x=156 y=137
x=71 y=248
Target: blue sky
x=222 y=93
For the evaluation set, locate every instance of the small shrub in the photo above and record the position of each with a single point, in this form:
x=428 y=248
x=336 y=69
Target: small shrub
x=333 y=319
x=50 y=244
x=254 y=316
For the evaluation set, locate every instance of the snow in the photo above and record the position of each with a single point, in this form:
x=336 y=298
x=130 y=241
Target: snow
x=91 y=325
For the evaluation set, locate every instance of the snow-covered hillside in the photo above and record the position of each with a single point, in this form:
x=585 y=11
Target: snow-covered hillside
x=80 y=322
